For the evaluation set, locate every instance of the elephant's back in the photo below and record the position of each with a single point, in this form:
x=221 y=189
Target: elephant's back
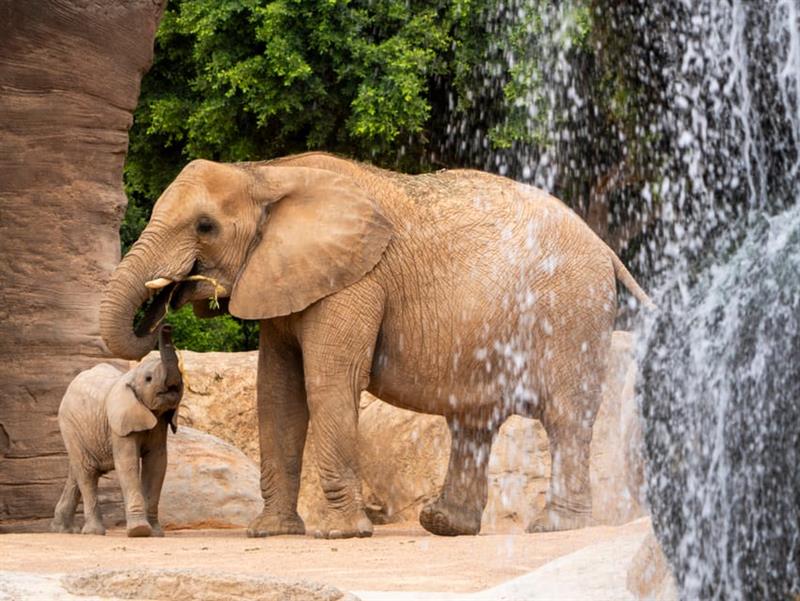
x=491 y=274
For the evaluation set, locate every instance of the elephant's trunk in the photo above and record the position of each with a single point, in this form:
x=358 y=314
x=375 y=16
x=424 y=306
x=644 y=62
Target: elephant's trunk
x=121 y=300
x=169 y=359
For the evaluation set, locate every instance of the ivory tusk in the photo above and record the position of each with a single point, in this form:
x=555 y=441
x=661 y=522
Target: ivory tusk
x=158 y=283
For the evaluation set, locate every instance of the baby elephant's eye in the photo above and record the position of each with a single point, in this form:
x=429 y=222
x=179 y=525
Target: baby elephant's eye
x=148 y=379
x=205 y=225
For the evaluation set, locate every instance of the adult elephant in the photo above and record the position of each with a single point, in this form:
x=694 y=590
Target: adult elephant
x=458 y=293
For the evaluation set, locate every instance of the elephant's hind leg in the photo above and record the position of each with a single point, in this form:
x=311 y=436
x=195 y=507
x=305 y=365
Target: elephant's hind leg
x=87 y=481
x=65 y=509
x=459 y=508
x=568 y=422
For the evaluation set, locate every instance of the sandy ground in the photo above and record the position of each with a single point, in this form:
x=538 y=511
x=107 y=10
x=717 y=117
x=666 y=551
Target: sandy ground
x=396 y=558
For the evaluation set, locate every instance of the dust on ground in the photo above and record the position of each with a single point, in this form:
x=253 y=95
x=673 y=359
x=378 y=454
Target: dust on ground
x=397 y=558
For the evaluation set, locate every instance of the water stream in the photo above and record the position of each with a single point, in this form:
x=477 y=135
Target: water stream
x=711 y=140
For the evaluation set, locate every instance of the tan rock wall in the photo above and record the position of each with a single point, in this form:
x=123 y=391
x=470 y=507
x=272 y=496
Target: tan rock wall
x=70 y=73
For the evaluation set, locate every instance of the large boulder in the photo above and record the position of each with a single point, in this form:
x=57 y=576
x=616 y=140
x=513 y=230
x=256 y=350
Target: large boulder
x=209 y=484
x=404 y=454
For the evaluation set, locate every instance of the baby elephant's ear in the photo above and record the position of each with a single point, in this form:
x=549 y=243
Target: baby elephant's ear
x=125 y=411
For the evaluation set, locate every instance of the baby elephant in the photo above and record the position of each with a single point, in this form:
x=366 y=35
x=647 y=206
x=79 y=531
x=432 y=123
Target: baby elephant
x=110 y=420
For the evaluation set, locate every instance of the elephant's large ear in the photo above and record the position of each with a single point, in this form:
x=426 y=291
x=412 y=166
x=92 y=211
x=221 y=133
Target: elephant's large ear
x=321 y=233
x=125 y=412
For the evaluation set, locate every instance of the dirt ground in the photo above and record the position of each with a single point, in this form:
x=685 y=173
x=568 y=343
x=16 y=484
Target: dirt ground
x=397 y=558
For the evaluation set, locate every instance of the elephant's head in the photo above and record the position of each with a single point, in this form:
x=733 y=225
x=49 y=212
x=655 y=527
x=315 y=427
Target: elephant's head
x=269 y=239
x=152 y=389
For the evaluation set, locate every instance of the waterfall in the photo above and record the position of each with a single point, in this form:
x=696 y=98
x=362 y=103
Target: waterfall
x=721 y=370
x=721 y=402
x=696 y=105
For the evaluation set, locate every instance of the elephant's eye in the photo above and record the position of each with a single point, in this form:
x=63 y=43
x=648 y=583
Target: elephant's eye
x=148 y=379
x=205 y=225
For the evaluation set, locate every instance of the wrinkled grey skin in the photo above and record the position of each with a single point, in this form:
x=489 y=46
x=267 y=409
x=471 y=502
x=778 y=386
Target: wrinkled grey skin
x=112 y=420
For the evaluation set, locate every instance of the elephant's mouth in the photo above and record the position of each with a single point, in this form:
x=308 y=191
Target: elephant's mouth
x=173 y=296
x=154 y=310
x=170 y=398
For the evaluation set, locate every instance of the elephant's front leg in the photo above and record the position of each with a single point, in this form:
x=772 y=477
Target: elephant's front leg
x=126 y=463
x=333 y=401
x=282 y=427
x=459 y=508
x=338 y=340
x=154 y=467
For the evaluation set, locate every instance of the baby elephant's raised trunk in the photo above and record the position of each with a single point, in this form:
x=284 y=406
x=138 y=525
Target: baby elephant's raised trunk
x=169 y=358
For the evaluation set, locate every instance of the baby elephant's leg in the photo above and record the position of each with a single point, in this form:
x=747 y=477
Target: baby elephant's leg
x=65 y=509
x=126 y=464
x=154 y=466
x=87 y=482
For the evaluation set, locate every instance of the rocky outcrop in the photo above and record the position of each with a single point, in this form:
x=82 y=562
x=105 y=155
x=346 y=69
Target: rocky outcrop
x=209 y=484
x=617 y=472
x=70 y=71
x=197 y=585
x=649 y=575
x=220 y=398
x=404 y=454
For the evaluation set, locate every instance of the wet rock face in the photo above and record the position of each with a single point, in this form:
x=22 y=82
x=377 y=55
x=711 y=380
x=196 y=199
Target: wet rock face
x=70 y=73
x=721 y=392
x=404 y=454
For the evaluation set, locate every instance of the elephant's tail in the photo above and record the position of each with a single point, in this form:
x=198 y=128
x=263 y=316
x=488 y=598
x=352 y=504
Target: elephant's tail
x=624 y=276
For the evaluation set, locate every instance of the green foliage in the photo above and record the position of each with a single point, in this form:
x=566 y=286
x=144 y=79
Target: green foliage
x=223 y=333
x=248 y=79
x=240 y=80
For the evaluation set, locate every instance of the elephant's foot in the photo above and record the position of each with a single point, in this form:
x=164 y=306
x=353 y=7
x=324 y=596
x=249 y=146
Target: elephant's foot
x=445 y=519
x=93 y=528
x=348 y=526
x=552 y=520
x=270 y=524
x=137 y=528
x=63 y=527
x=156 y=529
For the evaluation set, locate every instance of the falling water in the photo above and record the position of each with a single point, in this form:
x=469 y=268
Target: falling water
x=721 y=389
x=710 y=144
x=721 y=374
